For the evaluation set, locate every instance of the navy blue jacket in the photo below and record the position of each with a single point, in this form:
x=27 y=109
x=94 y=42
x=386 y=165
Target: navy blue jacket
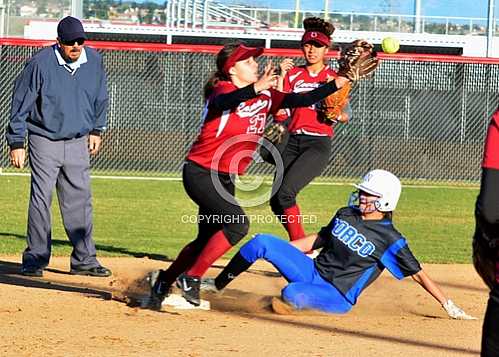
x=49 y=101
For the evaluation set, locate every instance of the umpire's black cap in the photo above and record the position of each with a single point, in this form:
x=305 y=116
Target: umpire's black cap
x=69 y=29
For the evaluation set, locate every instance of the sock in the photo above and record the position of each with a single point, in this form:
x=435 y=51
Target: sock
x=214 y=249
x=236 y=266
x=184 y=261
x=293 y=223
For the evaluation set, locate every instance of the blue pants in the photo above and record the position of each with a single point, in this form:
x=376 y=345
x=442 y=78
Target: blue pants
x=306 y=289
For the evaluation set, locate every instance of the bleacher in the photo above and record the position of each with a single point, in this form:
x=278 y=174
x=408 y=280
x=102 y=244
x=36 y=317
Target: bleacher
x=212 y=23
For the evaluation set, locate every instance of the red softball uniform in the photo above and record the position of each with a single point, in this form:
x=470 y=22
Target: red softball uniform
x=305 y=119
x=228 y=139
x=491 y=151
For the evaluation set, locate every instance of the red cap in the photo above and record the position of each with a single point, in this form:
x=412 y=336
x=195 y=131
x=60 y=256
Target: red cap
x=316 y=36
x=241 y=53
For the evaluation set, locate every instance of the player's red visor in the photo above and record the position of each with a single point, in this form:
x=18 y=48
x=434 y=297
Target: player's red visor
x=241 y=53
x=317 y=37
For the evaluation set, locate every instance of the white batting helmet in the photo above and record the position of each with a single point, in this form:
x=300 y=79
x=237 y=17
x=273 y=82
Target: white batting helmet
x=382 y=184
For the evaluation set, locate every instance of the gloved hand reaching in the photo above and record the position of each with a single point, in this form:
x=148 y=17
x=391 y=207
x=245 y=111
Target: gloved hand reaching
x=455 y=312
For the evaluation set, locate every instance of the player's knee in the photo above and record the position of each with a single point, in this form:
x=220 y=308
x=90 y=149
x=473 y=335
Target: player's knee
x=275 y=206
x=258 y=246
x=281 y=200
x=236 y=232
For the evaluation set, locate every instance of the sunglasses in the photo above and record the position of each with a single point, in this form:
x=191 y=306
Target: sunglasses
x=79 y=41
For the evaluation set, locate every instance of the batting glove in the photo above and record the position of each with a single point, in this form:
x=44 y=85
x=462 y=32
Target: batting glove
x=455 y=312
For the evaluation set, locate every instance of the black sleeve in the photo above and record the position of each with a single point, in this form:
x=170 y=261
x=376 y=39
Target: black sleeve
x=487 y=204
x=232 y=99
x=293 y=100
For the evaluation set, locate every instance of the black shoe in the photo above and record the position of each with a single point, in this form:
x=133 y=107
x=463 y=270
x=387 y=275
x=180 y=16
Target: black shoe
x=190 y=286
x=159 y=290
x=208 y=284
x=32 y=271
x=99 y=271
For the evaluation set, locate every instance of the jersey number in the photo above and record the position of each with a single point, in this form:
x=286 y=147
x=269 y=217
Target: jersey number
x=256 y=124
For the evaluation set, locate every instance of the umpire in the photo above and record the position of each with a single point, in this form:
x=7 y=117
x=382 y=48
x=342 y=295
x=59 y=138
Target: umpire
x=60 y=100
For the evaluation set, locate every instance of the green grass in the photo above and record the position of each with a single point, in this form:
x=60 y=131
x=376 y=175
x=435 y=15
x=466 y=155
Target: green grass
x=137 y=218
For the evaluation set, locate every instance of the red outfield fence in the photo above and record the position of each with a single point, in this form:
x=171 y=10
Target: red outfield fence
x=423 y=117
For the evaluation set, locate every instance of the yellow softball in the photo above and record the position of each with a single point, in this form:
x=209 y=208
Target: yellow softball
x=390 y=45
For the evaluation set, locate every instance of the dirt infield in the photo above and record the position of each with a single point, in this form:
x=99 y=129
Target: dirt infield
x=65 y=315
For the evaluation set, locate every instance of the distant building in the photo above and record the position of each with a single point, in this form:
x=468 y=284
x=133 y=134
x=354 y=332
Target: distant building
x=27 y=11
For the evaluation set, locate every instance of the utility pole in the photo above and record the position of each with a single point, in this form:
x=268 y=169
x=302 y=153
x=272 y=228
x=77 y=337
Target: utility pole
x=2 y=18
x=417 y=16
x=326 y=10
x=297 y=13
x=491 y=24
x=76 y=8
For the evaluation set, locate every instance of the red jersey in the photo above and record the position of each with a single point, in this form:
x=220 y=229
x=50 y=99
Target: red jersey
x=228 y=139
x=299 y=80
x=491 y=151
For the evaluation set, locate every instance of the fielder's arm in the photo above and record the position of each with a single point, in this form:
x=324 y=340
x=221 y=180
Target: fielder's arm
x=432 y=288
x=285 y=66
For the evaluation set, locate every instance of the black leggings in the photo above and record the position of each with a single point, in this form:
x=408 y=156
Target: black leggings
x=490 y=334
x=217 y=209
x=487 y=217
x=304 y=158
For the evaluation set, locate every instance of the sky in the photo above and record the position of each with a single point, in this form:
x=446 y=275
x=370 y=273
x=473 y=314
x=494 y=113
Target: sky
x=448 y=8
x=458 y=8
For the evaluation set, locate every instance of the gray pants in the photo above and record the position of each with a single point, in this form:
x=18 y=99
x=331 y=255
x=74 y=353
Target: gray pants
x=63 y=164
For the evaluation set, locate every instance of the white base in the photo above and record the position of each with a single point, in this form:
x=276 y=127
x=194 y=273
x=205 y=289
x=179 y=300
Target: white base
x=178 y=302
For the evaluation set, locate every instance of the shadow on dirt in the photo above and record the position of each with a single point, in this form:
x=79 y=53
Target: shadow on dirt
x=10 y=273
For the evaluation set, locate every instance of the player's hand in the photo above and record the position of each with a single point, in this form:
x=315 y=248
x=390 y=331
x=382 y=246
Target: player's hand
x=339 y=81
x=17 y=157
x=286 y=65
x=94 y=144
x=343 y=118
x=455 y=312
x=282 y=113
x=267 y=80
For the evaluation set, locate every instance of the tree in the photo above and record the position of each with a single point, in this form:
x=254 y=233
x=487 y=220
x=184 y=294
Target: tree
x=42 y=7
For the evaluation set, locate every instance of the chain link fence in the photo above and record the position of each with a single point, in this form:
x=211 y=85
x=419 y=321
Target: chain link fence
x=423 y=120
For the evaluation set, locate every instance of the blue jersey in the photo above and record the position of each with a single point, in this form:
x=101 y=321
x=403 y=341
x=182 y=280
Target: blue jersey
x=356 y=251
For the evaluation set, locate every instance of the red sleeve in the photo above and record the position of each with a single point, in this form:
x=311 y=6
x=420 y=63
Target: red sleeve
x=491 y=151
